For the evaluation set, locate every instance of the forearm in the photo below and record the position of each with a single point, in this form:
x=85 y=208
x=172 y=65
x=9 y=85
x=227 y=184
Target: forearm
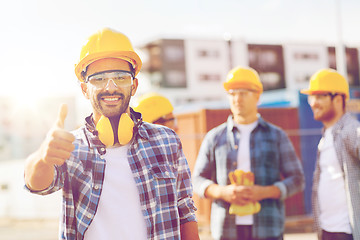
x=213 y=191
x=293 y=180
x=267 y=192
x=38 y=174
x=189 y=231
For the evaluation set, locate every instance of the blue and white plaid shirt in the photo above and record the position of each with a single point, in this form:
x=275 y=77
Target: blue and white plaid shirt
x=161 y=174
x=273 y=162
x=346 y=134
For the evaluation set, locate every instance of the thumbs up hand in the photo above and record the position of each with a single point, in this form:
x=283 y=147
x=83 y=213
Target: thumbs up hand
x=58 y=144
x=55 y=150
x=63 y=111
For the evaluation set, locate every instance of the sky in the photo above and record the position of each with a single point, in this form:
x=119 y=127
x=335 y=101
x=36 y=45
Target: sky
x=41 y=39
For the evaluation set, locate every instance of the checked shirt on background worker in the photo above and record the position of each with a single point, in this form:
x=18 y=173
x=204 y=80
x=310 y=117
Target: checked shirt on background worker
x=336 y=181
x=156 y=109
x=121 y=178
x=247 y=166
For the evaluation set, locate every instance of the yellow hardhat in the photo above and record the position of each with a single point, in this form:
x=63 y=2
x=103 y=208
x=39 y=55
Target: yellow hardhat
x=106 y=43
x=153 y=106
x=327 y=80
x=243 y=77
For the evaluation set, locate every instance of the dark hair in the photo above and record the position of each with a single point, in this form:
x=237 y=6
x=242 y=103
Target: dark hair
x=343 y=99
x=132 y=69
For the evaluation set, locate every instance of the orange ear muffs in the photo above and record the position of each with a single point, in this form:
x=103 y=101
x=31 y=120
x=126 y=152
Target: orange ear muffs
x=106 y=133
x=125 y=129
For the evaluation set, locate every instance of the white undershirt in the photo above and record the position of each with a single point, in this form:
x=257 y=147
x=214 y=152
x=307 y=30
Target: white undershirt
x=334 y=215
x=243 y=161
x=119 y=213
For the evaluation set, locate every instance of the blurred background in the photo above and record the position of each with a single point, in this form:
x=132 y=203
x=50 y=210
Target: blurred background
x=187 y=48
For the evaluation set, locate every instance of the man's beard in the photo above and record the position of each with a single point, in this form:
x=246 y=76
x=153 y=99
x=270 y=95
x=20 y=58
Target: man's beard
x=116 y=111
x=326 y=115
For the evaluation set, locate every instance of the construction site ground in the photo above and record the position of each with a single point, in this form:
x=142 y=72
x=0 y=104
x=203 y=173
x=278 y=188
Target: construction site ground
x=297 y=228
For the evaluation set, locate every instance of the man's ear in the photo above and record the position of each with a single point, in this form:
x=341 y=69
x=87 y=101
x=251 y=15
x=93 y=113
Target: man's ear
x=84 y=89
x=134 y=86
x=338 y=100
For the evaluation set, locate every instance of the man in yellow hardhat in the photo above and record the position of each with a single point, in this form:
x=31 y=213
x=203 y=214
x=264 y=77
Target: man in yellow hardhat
x=121 y=178
x=247 y=143
x=156 y=109
x=336 y=182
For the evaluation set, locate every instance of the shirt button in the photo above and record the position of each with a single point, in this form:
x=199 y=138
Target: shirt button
x=89 y=215
x=96 y=187
x=102 y=149
x=102 y=156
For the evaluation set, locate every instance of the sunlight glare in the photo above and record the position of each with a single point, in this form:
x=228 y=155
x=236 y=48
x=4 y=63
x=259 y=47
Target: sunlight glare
x=25 y=99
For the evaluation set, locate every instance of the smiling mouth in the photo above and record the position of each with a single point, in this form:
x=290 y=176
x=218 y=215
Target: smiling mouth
x=111 y=100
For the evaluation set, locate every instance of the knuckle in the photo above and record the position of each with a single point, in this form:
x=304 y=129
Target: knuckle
x=52 y=132
x=51 y=144
x=60 y=162
x=46 y=159
x=72 y=137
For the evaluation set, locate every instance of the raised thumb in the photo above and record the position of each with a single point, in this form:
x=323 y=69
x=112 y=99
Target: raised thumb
x=63 y=110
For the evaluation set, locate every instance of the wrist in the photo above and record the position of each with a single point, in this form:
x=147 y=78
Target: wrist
x=272 y=192
x=214 y=191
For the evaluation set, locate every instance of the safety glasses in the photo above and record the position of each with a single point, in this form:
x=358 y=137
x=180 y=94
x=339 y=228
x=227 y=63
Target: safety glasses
x=320 y=97
x=120 y=78
x=240 y=92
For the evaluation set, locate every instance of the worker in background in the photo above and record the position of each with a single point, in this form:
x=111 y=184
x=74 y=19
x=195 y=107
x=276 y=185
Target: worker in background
x=336 y=182
x=121 y=178
x=248 y=143
x=156 y=109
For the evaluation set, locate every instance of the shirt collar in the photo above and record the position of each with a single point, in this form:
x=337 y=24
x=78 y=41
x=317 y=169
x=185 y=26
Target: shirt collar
x=231 y=123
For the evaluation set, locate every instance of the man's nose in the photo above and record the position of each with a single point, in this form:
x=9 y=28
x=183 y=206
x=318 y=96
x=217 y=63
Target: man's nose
x=239 y=96
x=312 y=101
x=111 y=85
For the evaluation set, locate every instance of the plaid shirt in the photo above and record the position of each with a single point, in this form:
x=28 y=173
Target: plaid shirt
x=273 y=162
x=346 y=134
x=161 y=174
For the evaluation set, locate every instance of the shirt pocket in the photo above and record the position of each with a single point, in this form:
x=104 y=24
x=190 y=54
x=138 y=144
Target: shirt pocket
x=164 y=185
